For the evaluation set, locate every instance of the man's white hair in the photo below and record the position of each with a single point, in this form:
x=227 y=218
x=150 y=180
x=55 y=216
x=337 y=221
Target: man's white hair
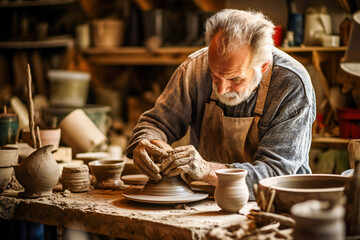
x=240 y=28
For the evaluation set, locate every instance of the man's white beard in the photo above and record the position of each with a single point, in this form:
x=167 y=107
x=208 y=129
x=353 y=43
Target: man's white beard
x=235 y=98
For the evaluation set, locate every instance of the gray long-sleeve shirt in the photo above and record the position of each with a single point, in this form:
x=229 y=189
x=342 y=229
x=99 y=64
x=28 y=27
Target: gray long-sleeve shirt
x=284 y=128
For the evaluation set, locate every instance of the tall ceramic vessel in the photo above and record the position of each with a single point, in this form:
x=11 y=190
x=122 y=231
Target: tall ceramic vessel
x=38 y=173
x=231 y=193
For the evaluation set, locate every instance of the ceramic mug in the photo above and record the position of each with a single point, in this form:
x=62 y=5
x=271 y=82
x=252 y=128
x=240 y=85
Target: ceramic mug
x=80 y=133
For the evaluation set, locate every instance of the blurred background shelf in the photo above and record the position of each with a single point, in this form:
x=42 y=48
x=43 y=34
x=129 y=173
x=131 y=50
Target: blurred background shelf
x=46 y=43
x=37 y=3
x=312 y=48
x=138 y=55
x=330 y=142
x=167 y=55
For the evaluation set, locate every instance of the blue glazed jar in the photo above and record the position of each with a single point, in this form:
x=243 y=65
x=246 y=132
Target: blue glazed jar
x=9 y=124
x=296 y=25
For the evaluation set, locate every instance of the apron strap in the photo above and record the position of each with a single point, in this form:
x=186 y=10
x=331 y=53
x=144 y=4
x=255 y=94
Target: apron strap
x=262 y=93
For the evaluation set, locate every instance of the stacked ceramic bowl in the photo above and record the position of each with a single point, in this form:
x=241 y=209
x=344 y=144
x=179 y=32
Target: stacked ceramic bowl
x=76 y=178
x=8 y=157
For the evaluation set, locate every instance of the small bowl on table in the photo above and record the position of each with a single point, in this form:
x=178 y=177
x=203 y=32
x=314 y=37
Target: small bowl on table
x=107 y=173
x=8 y=157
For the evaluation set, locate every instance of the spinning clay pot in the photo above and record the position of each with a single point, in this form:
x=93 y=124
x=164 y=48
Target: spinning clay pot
x=167 y=186
x=38 y=173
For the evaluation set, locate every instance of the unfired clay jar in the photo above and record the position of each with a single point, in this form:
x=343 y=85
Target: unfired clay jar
x=76 y=178
x=231 y=192
x=38 y=173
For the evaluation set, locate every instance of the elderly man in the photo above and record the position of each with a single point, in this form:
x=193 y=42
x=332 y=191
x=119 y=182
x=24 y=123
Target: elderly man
x=248 y=105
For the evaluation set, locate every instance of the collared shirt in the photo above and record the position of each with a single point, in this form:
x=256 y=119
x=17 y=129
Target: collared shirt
x=284 y=129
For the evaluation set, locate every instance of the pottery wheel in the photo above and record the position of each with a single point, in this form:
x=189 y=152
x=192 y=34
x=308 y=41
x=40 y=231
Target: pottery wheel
x=168 y=190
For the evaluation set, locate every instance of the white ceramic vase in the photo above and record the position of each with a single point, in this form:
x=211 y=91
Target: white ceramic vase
x=231 y=192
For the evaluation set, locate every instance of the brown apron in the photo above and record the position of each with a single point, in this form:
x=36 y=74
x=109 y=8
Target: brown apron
x=229 y=139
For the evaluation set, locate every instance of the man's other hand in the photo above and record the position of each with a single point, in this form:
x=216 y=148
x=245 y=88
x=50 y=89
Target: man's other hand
x=142 y=157
x=186 y=159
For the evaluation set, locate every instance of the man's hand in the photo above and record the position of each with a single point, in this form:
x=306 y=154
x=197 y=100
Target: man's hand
x=163 y=145
x=186 y=159
x=142 y=160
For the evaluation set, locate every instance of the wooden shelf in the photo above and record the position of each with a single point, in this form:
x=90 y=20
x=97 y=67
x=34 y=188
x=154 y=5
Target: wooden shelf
x=312 y=49
x=46 y=43
x=330 y=142
x=138 y=55
x=164 y=55
x=34 y=3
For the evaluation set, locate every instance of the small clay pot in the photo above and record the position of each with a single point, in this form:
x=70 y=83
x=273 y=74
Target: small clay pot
x=231 y=192
x=76 y=178
x=107 y=173
x=47 y=136
x=24 y=150
x=7 y=158
x=38 y=173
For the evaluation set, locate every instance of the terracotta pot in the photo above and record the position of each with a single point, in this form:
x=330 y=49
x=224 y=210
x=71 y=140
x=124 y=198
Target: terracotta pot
x=231 y=192
x=292 y=189
x=38 y=173
x=107 y=173
x=47 y=136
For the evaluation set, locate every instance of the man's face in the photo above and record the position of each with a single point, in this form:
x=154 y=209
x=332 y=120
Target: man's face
x=233 y=78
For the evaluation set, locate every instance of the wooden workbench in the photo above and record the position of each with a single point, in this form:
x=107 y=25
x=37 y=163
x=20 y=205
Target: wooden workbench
x=107 y=212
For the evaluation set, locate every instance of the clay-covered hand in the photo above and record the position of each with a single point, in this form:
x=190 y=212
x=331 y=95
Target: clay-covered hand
x=163 y=145
x=186 y=159
x=142 y=157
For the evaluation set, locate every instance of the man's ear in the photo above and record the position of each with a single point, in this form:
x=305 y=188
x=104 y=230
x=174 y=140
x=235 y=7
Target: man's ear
x=265 y=66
